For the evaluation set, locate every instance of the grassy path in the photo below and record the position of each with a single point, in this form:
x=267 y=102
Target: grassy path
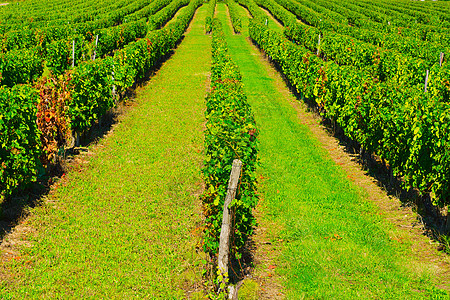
x=326 y=239
x=122 y=225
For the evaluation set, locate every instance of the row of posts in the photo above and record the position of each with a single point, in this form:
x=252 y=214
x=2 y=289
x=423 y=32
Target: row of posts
x=73 y=51
x=93 y=58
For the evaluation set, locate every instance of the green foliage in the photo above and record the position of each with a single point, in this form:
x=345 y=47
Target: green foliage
x=149 y=10
x=210 y=15
x=124 y=75
x=161 y=17
x=220 y=283
x=91 y=85
x=59 y=54
x=403 y=40
x=54 y=41
x=235 y=15
x=230 y=134
x=19 y=137
x=20 y=66
x=143 y=54
x=342 y=44
x=18 y=39
x=118 y=36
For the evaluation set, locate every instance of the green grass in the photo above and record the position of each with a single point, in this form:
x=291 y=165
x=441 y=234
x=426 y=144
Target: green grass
x=123 y=224
x=332 y=242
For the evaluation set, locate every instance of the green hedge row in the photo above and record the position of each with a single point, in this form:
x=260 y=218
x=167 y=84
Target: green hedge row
x=20 y=66
x=161 y=17
x=235 y=15
x=117 y=37
x=230 y=134
x=19 y=137
x=36 y=34
x=210 y=15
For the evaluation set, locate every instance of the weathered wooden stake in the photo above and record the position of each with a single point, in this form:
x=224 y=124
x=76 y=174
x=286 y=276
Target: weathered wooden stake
x=318 y=45
x=95 y=51
x=73 y=53
x=441 y=59
x=114 y=87
x=77 y=139
x=426 y=81
x=233 y=291
x=448 y=220
x=224 y=244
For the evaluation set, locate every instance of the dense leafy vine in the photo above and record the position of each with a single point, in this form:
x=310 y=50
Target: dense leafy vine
x=230 y=134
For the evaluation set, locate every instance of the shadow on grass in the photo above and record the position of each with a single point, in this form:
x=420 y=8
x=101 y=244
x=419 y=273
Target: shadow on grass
x=431 y=216
x=16 y=207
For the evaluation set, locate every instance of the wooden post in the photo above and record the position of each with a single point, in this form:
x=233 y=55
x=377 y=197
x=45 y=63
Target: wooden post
x=441 y=59
x=266 y=21
x=318 y=45
x=447 y=227
x=95 y=51
x=224 y=244
x=233 y=291
x=426 y=80
x=77 y=139
x=114 y=86
x=73 y=53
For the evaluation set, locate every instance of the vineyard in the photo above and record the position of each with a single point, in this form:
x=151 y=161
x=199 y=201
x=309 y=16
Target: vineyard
x=376 y=72
x=92 y=58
